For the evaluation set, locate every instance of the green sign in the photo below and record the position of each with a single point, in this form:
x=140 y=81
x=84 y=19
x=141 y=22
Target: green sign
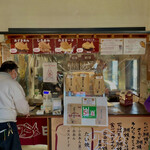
x=89 y=112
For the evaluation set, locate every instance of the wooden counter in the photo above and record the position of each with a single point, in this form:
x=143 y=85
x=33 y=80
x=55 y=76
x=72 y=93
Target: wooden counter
x=116 y=109
x=135 y=109
x=128 y=128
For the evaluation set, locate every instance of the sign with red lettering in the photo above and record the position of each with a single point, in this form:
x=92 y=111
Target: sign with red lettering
x=88 y=45
x=32 y=130
x=66 y=45
x=43 y=46
x=21 y=46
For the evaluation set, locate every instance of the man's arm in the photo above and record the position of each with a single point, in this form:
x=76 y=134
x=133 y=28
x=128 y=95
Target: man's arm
x=20 y=101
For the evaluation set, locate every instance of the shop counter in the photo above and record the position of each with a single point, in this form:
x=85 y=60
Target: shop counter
x=135 y=109
x=128 y=129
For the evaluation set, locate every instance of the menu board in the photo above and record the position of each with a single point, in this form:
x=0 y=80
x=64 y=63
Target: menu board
x=134 y=46
x=21 y=46
x=122 y=133
x=43 y=46
x=90 y=45
x=65 y=45
x=111 y=46
x=85 y=111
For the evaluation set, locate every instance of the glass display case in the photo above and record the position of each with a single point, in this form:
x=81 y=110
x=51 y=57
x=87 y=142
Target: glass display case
x=85 y=103
x=120 y=72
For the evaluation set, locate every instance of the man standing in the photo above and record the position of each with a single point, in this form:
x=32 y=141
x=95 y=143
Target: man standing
x=12 y=101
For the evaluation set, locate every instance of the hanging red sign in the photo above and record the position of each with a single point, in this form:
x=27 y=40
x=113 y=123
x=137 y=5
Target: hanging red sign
x=32 y=130
x=21 y=46
x=43 y=46
x=88 y=45
x=66 y=45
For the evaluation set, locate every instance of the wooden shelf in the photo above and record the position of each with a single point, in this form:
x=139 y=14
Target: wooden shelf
x=8 y=37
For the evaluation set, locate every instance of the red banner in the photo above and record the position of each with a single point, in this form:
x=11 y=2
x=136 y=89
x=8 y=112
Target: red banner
x=43 y=46
x=32 y=130
x=66 y=45
x=21 y=46
x=88 y=45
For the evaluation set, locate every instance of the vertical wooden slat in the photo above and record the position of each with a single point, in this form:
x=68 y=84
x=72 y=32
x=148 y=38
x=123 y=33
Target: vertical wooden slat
x=49 y=139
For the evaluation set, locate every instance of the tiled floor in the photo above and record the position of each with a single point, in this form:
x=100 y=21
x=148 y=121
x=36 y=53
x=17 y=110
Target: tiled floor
x=34 y=147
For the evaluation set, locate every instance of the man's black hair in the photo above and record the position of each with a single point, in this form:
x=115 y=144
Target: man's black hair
x=8 y=66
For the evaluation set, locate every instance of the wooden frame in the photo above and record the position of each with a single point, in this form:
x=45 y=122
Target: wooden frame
x=102 y=35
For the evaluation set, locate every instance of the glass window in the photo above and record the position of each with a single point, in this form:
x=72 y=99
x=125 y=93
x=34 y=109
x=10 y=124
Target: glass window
x=132 y=75
x=111 y=75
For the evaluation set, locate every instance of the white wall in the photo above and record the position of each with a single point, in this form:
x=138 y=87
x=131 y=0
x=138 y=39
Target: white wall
x=148 y=23
x=73 y=13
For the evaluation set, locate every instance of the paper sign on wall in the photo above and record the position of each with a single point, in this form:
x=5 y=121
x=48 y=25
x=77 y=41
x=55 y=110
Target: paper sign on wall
x=111 y=46
x=134 y=46
x=50 y=72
